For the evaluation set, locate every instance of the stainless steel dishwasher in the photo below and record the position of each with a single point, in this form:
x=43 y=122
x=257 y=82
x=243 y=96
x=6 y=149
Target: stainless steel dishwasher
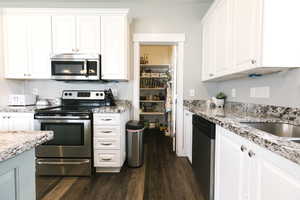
x=204 y=155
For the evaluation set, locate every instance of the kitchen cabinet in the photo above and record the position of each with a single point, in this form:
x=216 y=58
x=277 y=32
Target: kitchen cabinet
x=110 y=141
x=27 y=46
x=16 y=121
x=17 y=177
x=114 y=47
x=188 y=133
x=244 y=170
x=76 y=34
x=248 y=37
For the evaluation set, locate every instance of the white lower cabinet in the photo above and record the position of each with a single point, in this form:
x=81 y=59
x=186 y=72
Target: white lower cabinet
x=110 y=141
x=16 y=121
x=246 y=171
x=188 y=133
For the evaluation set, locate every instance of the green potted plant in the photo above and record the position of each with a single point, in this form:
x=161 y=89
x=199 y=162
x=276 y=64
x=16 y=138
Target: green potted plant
x=220 y=99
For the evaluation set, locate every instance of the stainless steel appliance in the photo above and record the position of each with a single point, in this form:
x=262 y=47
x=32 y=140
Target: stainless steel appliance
x=70 y=152
x=204 y=155
x=76 y=67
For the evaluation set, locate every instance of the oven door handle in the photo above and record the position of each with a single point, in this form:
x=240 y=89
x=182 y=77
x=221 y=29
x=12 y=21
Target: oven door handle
x=62 y=163
x=85 y=68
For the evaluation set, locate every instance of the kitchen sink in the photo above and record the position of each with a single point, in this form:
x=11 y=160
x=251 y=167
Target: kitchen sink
x=288 y=131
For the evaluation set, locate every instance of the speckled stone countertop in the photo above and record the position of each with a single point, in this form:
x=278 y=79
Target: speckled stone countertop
x=232 y=121
x=121 y=106
x=21 y=109
x=13 y=143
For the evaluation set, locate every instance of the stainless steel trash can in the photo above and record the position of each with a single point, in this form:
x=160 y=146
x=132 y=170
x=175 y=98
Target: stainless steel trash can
x=135 y=148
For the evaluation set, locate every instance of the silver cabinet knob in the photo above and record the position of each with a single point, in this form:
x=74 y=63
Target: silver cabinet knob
x=253 y=62
x=8 y=117
x=211 y=74
x=243 y=148
x=251 y=154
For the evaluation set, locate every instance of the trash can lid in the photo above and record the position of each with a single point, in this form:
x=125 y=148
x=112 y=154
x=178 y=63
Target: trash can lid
x=134 y=125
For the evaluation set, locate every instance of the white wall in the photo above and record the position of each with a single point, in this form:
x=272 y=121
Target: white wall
x=284 y=88
x=7 y=86
x=157 y=17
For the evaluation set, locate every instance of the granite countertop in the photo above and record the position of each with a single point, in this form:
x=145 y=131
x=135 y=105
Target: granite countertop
x=13 y=143
x=21 y=109
x=232 y=121
x=121 y=106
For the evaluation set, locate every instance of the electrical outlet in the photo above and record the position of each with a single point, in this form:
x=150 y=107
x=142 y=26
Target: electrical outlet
x=115 y=92
x=233 y=92
x=35 y=91
x=192 y=92
x=260 y=92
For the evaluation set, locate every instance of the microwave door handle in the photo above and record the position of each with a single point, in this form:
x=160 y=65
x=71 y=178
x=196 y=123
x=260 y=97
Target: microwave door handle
x=85 y=68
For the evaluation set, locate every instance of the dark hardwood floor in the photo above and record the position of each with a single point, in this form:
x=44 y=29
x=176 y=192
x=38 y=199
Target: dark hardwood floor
x=163 y=176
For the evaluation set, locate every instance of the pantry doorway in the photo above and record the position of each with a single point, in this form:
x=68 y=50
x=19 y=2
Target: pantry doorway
x=158 y=85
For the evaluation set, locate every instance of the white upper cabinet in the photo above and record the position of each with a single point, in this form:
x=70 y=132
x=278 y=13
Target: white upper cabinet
x=76 y=34
x=16 y=46
x=40 y=47
x=64 y=34
x=27 y=46
x=114 y=47
x=249 y=37
x=88 y=34
x=32 y=36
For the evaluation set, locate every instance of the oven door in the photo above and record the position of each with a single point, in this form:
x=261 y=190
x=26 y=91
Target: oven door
x=72 y=138
x=79 y=69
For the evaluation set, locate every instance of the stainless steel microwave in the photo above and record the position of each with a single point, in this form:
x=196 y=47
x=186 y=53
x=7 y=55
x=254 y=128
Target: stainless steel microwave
x=76 y=67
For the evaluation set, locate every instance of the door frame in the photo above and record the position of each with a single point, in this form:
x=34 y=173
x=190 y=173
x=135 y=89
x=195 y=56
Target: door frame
x=177 y=39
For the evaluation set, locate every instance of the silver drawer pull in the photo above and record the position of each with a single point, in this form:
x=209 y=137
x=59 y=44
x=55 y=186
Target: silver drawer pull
x=106 y=144
x=251 y=154
x=243 y=148
x=106 y=159
x=106 y=131
x=106 y=119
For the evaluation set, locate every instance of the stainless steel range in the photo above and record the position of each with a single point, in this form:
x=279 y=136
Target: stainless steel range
x=70 y=152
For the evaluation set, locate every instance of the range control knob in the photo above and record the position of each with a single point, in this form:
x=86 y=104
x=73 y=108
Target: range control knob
x=66 y=94
x=70 y=94
x=97 y=94
x=101 y=94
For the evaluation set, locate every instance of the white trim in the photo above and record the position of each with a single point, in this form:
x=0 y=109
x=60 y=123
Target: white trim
x=154 y=39
x=159 y=37
x=136 y=81
x=68 y=11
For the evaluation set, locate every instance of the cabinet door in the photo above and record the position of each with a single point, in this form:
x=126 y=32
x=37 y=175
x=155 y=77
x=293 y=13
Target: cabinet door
x=114 y=44
x=64 y=34
x=16 y=46
x=88 y=34
x=231 y=167
x=223 y=37
x=3 y=122
x=247 y=22
x=39 y=47
x=209 y=45
x=20 y=121
x=273 y=177
x=188 y=133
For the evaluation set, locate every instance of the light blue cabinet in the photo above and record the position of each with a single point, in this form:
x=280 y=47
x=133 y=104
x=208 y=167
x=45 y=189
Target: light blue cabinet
x=17 y=177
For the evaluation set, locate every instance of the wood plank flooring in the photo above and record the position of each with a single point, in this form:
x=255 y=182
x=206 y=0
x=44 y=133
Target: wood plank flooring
x=162 y=177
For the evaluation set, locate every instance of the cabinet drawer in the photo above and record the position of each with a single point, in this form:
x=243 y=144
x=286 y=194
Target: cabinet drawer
x=106 y=119
x=107 y=143
x=106 y=131
x=107 y=158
